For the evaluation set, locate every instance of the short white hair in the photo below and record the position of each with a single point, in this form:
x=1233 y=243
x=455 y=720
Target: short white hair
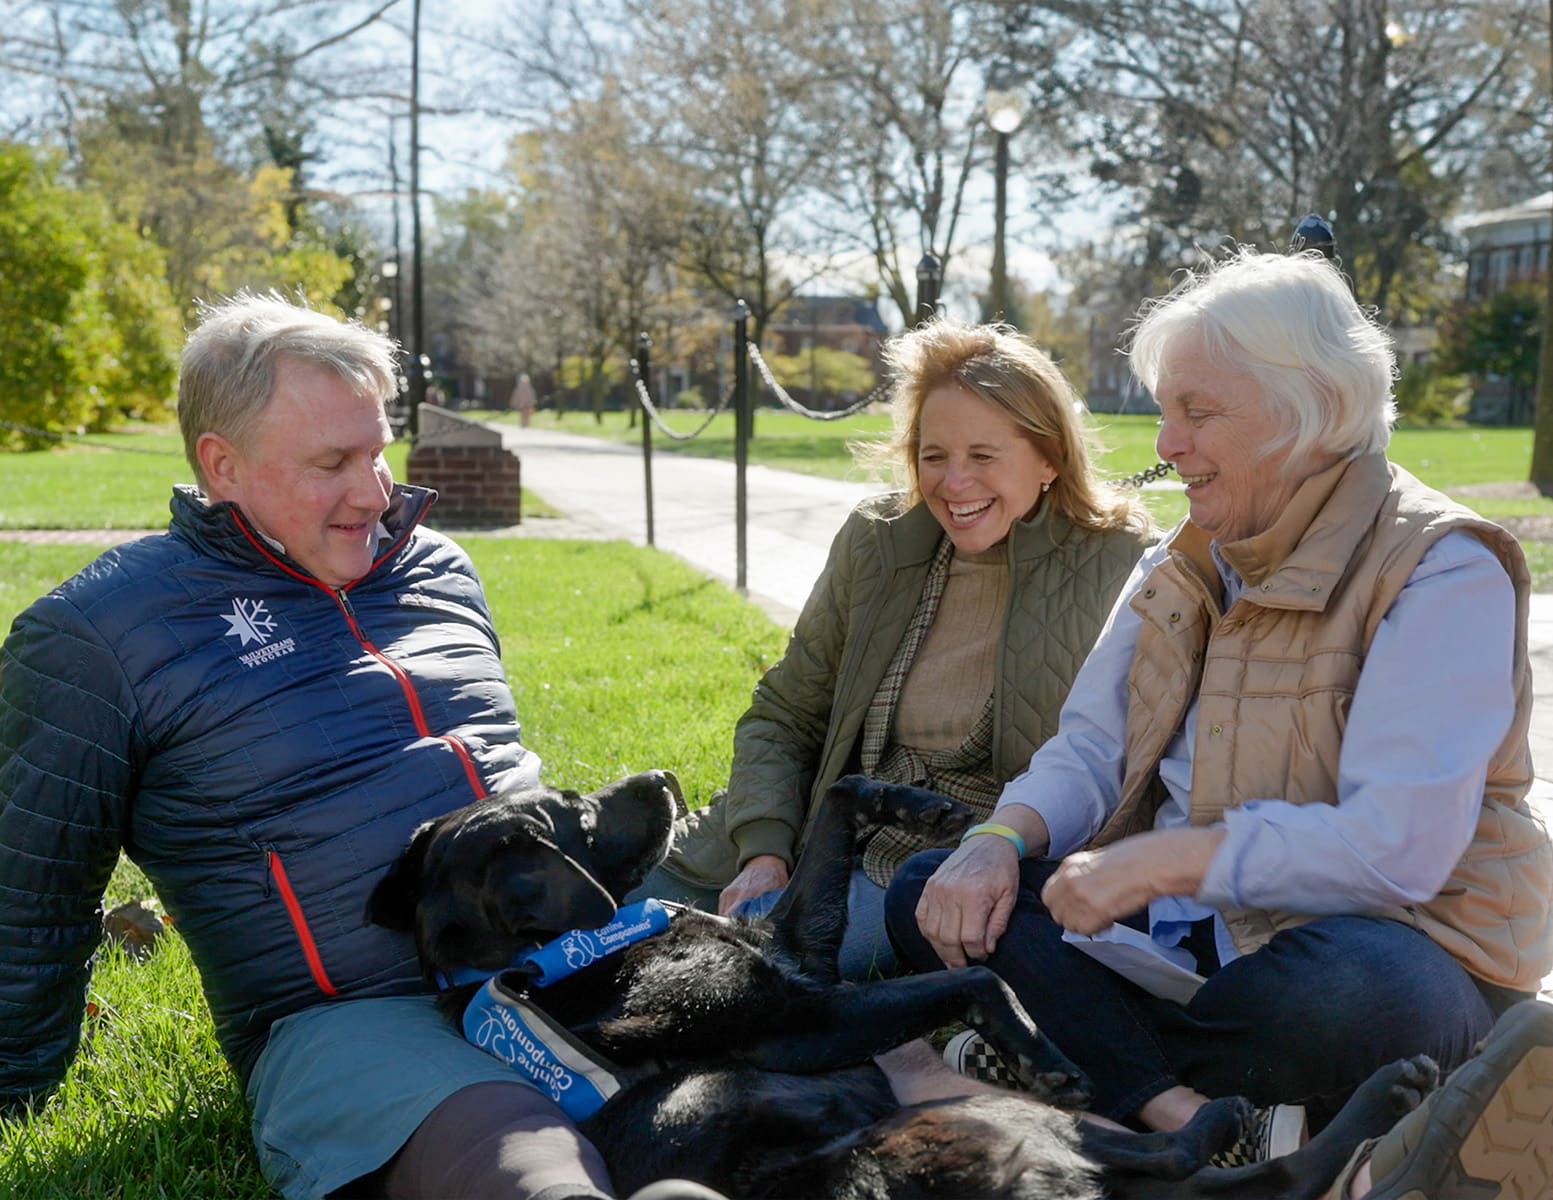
x=1290 y=322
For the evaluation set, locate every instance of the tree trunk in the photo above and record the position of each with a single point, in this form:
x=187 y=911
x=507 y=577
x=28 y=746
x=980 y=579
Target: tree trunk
x=1542 y=437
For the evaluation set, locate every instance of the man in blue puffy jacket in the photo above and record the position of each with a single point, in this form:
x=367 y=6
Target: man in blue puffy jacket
x=258 y=707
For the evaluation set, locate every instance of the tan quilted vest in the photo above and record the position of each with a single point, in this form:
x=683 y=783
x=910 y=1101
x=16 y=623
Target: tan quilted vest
x=1275 y=676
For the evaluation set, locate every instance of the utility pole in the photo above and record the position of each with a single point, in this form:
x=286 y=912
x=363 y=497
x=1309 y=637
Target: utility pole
x=396 y=326
x=418 y=360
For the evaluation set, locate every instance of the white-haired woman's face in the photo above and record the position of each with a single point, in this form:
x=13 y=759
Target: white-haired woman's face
x=1218 y=428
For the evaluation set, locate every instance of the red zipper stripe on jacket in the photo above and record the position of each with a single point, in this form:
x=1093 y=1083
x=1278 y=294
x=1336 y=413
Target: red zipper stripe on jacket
x=417 y=714
x=315 y=964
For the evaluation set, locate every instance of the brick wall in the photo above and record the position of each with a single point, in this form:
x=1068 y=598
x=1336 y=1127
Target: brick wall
x=477 y=485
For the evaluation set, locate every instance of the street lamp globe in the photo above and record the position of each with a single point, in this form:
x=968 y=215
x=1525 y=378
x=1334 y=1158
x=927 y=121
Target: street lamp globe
x=1005 y=109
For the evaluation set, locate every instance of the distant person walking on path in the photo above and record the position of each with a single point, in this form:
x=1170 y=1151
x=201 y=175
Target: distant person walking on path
x=524 y=399
x=938 y=644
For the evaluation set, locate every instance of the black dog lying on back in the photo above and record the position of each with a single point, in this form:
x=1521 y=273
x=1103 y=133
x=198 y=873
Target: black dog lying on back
x=747 y=1062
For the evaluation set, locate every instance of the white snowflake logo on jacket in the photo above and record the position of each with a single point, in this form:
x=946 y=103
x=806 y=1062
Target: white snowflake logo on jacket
x=250 y=621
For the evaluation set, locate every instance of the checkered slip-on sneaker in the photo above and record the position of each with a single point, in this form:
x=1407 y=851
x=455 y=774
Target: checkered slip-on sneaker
x=1274 y=1132
x=1487 y=1133
x=971 y=1055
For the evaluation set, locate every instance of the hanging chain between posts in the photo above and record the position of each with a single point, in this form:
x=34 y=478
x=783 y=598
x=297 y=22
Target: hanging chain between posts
x=1158 y=471
x=780 y=393
x=651 y=409
x=1149 y=475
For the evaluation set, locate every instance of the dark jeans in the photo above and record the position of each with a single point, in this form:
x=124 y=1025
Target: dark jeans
x=1304 y=1020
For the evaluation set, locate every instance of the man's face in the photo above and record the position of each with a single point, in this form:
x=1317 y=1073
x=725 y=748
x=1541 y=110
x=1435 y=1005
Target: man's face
x=311 y=473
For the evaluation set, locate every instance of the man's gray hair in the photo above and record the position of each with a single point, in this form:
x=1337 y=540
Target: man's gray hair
x=1290 y=322
x=228 y=368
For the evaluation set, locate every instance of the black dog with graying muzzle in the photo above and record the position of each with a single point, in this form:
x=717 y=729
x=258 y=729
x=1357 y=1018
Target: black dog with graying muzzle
x=730 y=1052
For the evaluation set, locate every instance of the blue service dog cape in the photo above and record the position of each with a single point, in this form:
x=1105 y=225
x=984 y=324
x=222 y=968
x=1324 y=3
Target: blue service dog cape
x=500 y=1020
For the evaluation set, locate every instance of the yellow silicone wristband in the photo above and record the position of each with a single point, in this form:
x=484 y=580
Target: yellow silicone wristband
x=1001 y=830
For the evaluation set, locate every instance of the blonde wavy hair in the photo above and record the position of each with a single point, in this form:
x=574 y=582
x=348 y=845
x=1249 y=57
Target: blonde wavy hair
x=1003 y=367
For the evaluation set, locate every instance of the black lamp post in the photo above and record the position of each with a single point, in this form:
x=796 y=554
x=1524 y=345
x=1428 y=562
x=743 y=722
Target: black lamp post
x=390 y=272
x=930 y=276
x=1005 y=109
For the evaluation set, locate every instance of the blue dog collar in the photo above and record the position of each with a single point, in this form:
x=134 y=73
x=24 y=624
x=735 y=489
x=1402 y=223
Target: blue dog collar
x=544 y=1054
x=571 y=952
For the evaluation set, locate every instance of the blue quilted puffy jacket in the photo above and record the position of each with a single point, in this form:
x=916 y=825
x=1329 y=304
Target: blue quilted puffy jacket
x=260 y=744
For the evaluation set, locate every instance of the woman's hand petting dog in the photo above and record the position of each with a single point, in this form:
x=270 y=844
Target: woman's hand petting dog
x=763 y=873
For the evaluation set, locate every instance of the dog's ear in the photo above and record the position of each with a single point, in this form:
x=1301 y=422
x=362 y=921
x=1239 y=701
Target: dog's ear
x=392 y=902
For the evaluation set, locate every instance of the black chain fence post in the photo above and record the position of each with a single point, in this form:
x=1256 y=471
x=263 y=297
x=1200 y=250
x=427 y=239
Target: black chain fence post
x=1314 y=232
x=930 y=274
x=644 y=373
x=741 y=438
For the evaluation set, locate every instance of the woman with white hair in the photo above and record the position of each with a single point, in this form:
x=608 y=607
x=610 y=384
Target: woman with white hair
x=1296 y=761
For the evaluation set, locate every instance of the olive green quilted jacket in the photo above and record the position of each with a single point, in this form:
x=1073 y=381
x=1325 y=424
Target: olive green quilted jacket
x=803 y=727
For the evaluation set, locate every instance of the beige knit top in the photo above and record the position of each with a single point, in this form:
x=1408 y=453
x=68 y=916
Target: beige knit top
x=948 y=684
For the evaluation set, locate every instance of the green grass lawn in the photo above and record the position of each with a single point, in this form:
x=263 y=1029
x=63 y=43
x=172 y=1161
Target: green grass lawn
x=1442 y=457
x=126 y=484
x=621 y=659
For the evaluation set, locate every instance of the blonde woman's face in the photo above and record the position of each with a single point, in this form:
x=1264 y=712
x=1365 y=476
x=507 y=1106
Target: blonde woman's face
x=977 y=470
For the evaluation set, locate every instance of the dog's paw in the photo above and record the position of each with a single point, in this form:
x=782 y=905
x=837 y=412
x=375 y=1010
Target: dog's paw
x=1412 y=1080
x=1228 y=1119
x=1061 y=1088
x=930 y=815
x=1390 y=1093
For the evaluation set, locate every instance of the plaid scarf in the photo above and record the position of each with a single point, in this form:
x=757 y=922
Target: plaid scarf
x=964 y=773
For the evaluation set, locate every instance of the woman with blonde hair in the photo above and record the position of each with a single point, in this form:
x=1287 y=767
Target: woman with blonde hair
x=941 y=638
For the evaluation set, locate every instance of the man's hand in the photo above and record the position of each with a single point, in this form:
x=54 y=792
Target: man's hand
x=966 y=905
x=763 y=873
x=1093 y=889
